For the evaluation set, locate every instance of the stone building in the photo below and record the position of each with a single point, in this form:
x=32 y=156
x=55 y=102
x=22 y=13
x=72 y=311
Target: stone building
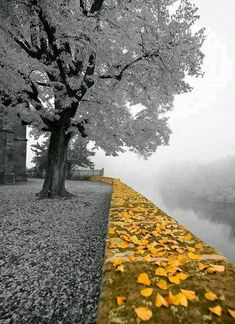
x=13 y=144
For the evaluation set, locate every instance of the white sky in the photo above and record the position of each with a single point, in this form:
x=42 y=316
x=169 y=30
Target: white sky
x=203 y=121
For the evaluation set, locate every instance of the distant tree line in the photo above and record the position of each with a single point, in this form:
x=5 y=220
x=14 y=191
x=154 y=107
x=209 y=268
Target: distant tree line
x=214 y=181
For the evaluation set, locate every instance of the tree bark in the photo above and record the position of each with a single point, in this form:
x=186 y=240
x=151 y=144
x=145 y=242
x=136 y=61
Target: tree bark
x=54 y=184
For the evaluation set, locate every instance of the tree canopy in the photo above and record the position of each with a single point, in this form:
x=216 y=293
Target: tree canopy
x=80 y=66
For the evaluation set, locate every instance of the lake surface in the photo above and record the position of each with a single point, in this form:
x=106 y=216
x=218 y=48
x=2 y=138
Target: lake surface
x=213 y=222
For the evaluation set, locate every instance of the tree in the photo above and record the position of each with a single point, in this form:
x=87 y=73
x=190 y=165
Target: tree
x=74 y=66
x=78 y=155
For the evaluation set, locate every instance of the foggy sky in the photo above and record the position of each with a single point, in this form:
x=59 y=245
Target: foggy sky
x=202 y=121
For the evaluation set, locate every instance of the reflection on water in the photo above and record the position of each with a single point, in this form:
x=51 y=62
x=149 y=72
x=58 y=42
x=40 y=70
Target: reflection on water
x=212 y=222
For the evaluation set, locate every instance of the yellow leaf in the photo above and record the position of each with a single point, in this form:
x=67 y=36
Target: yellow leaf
x=182 y=259
x=121 y=300
x=163 y=264
x=132 y=258
x=182 y=299
x=202 y=266
x=188 y=237
x=193 y=256
x=112 y=230
x=210 y=296
x=174 y=280
x=180 y=250
x=189 y=294
x=191 y=249
x=170 y=298
x=161 y=272
x=148 y=258
x=231 y=312
x=198 y=246
x=146 y=292
x=123 y=245
x=143 y=313
x=144 y=279
x=117 y=261
x=120 y=268
x=217 y=310
x=182 y=276
x=162 y=284
x=215 y=268
x=160 y=301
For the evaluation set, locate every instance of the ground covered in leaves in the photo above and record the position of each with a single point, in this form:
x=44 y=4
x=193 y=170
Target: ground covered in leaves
x=51 y=253
x=156 y=271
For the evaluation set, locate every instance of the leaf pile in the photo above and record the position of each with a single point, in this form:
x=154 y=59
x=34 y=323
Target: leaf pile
x=51 y=253
x=157 y=271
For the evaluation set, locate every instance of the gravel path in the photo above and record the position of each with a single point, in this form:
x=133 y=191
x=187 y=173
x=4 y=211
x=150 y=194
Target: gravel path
x=51 y=253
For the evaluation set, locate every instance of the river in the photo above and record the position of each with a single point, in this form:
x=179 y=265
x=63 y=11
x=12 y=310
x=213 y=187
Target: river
x=213 y=222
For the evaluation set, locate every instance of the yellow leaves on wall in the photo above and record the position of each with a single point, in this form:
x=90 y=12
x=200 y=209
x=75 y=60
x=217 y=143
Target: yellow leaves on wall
x=146 y=292
x=144 y=279
x=162 y=284
x=143 y=313
x=193 y=256
x=217 y=310
x=231 y=312
x=141 y=234
x=174 y=280
x=161 y=272
x=160 y=301
x=215 y=268
x=121 y=300
x=189 y=294
x=117 y=261
x=210 y=296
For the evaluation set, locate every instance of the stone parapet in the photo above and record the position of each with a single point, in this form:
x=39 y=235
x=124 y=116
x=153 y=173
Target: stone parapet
x=156 y=271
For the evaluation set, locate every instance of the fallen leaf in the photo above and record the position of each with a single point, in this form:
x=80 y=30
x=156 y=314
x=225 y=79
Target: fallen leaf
x=231 y=312
x=148 y=258
x=193 y=256
x=170 y=298
x=161 y=272
x=182 y=276
x=182 y=299
x=202 y=266
x=132 y=258
x=188 y=237
x=112 y=230
x=117 y=261
x=198 y=246
x=120 y=268
x=217 y=310
x=146 y=292
x=143 y=313
x=123 y=245
x=160 y=301
x=121 y=300
x=189 y=294
x=174 y=280
x=191 y=249
x=215 y=268
x=162 y=284
x=180 y=250
x=210 y=296
x=144 y=279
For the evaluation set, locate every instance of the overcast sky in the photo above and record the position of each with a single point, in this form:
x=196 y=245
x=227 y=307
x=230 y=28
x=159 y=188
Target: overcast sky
x=202 y=121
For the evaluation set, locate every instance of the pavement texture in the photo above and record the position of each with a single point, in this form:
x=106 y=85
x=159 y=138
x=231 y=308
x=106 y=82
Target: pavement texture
x=51 y=253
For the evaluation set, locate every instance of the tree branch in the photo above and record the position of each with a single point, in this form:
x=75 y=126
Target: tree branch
x=88 y=79
x=96 y=6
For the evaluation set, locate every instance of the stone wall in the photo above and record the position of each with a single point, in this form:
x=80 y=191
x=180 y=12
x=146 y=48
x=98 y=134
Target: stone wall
x=13 y=144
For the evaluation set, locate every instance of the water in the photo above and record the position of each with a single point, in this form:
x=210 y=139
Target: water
x=213 y=222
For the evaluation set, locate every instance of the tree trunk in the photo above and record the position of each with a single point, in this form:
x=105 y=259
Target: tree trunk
x=54 y=184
